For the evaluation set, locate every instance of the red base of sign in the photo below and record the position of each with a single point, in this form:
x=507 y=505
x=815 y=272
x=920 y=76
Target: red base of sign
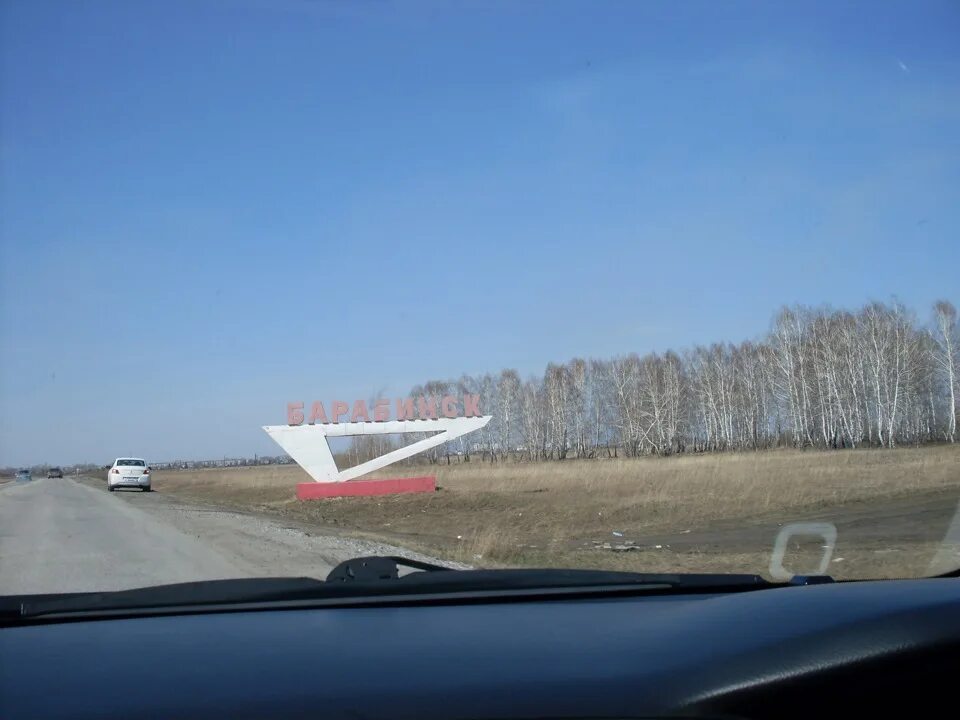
x=355 y=488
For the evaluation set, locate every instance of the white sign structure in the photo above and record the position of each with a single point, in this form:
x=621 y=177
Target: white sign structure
x=308 y=445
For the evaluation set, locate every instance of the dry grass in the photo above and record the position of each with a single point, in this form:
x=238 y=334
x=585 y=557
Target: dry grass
x=552 y=513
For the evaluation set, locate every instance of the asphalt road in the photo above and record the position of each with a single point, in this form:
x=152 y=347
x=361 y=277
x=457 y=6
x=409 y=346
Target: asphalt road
x=60 y=535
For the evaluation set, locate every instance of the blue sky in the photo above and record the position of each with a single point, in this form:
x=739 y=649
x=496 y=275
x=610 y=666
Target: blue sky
x=210 y=208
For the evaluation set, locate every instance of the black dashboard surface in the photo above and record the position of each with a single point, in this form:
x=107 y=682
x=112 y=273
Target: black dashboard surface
x=780 y=652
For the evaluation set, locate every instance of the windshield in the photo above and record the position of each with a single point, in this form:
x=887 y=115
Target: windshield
x=657 y=287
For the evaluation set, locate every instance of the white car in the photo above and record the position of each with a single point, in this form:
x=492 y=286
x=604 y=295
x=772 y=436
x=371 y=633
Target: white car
x=129 y=472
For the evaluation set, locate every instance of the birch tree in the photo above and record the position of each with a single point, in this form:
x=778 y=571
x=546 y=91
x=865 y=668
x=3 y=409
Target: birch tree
x=945 y=320
x=508 y=395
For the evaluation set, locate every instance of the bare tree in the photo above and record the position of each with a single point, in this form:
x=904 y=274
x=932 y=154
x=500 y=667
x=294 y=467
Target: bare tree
x=945 y=319
x=600 y=408
x=508 y=395
x=577 y=410
x=623 y=391
x=556 y=383
x=533 y=419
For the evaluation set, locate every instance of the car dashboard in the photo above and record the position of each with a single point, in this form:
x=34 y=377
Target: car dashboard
x=875 y=647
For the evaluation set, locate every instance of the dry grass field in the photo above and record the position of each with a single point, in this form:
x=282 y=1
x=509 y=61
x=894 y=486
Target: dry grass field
x=718 y=512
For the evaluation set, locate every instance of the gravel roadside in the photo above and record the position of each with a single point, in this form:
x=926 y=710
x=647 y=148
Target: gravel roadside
x=261 y=546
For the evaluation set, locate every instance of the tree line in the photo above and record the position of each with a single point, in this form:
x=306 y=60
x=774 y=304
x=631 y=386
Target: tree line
x=822 y=378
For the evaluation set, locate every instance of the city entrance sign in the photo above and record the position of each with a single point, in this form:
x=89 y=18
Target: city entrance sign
x=447 y=418
x=423 y=408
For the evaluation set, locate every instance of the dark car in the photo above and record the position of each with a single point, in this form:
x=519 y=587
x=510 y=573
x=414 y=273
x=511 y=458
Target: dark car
x=54 y=472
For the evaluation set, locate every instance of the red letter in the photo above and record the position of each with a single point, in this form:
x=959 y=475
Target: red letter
x=340 y=409
x=405 y=409
x=471 y=406
x=294 y=413
x=381 y=411
x=427 y=408
x=449 y=406
x=360 y=411
x=317 y=414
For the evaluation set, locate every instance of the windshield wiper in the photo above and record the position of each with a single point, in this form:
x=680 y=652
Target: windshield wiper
x=376 y=567
x=380 y=568
x=373 y=580
x=204 y=592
